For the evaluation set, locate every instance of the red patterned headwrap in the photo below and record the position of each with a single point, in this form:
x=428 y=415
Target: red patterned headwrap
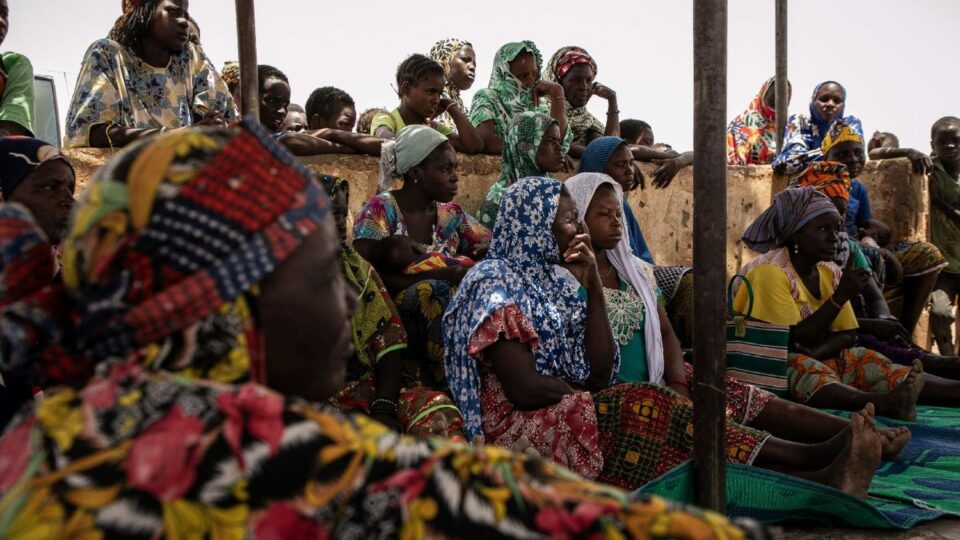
x=572 y=58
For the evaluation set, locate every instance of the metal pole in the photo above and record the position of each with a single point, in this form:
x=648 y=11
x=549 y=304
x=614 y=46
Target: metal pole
x=709 y=249
x=782 y=85
x=247 y=45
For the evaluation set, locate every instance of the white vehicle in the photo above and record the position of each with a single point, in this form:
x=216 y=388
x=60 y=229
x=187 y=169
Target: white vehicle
x=52 y=93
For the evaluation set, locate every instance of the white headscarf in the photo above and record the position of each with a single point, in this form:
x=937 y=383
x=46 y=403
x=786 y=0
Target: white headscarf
x=636 y=272
x=412 y=145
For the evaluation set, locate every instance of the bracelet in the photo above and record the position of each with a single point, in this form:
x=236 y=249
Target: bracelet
x=681 y=383
x=613 y=112
x=835 y=304
x=389 y=405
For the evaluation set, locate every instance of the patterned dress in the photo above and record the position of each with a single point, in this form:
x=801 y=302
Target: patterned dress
x=116 y=87
x=752 y=136
x=803 y=135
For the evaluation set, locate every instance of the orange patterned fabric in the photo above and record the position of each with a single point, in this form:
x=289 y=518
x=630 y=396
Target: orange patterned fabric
x=861 y=368
x=829 y=177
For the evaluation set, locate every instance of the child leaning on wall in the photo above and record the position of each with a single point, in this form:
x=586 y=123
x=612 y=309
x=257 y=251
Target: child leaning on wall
x=945 y=227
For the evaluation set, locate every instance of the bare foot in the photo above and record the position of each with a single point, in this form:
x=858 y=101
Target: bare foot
x=853 y=469
x=893 y=440
x=901 y=403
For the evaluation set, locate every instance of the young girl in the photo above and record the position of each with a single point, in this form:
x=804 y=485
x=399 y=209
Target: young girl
x=420 y=85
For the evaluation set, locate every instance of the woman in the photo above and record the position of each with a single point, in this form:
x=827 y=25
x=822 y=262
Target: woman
x=533 y=147
x=459 y=63
x=921 y=261
x=515 y=87
x=531 y=363
x=802 y=138
x=796 y=283
x=139 y=453
x=146 y=78
x=374 y=375
x=421 y=209
x=574 y=69
x=752 y=136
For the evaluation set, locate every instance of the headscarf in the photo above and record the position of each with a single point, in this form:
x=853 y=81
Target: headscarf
x=804 y=135
x=636 y=272
x=752 y=136
x=519 y=160
x=20 y=156
x=821 y=123
x=792 y=208
x=230 y=73
x=169 y=239
x=443 y=52
x=505 y=96
x=595 y=158
x=519 y=271
x=843 y=130
x=377 y=328
x=828 y=177
x=412 y=145
x=579 y=119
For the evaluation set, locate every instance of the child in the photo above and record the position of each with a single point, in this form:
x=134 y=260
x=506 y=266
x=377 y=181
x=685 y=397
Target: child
x=945 y=227
x=420 y=85
x=296 y=120
x=874 y=236
x=403 y=254
x=274 y=98
x=366 y=118
x=16 y=87
x=331 y=115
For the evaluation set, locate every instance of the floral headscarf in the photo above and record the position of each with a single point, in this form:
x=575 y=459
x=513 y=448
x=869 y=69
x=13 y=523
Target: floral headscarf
x=377 y=329
x=792 y=208
x=443 y=52
x=505 y=97
x=519 y=271
x=230 y=73
x=581 y=122
x=752 y=136
x=20 y=156
x=519 y=159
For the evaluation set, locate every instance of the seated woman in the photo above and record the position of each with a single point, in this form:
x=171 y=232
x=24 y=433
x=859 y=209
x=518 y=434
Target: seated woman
x=145 y=79
x=752 y=136
x=531 y=364
x=16 y=86
x=420 y=85
x=422 y=209
x=331 y=115
x=649 y=349
x=515 y=87
x=796 y=283
x=459 y=63
x=375 y=384
x=921 y=261
x=533 y=147
x=802 y=138
x=138 y=452
x=576 y=71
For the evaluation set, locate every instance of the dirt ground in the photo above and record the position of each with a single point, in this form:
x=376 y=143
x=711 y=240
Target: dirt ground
x=948 y=528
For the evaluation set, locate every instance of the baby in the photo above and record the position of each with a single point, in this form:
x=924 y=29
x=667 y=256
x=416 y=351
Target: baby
x=875 y=233
x=402 y=254
x=875 y=236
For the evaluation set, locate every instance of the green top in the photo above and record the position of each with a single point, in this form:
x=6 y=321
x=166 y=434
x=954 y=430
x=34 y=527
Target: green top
x=944 y=230
x=860 y=261
x=394 y=121
x=16 y=101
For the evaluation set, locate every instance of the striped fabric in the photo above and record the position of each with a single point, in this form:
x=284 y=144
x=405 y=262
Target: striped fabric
x=756 y=351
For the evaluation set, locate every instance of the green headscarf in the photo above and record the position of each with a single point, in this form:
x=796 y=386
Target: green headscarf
x=519 y=160
x=505 y=96
x=412 y=145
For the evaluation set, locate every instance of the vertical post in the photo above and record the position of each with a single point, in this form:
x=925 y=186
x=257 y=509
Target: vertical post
x=709 y=249
x=783 y=100
x=247 y=46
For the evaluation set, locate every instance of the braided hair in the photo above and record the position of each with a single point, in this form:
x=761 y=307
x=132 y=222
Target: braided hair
x=415 y=68
x=134 y=24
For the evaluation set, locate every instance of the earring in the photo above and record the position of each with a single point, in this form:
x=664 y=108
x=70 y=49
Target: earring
x=796 y=248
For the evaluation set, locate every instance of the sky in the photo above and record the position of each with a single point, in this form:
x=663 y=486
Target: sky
x=897 y=59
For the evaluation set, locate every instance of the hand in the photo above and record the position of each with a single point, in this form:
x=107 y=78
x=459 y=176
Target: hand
x=604 y=92
x=322 y=133
x=580 y=260
x=922 y=164
x=568 y=164
x=852 y=282
x=443 y=106
x=388 y=420
x=663 y=176
x=886 y=329
x=546 y=88
x=212 y=118
x=479 y=251
x=639 y=179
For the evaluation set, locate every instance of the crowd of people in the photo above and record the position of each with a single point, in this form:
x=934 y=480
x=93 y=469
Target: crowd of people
x=197 y=344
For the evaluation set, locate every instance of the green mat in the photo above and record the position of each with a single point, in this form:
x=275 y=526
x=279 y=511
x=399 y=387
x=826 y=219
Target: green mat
x=922 y=484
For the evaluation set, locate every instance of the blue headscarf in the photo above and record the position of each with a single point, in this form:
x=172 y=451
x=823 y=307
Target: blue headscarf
x=595 y=158
x=519 y=271
x=804 y=134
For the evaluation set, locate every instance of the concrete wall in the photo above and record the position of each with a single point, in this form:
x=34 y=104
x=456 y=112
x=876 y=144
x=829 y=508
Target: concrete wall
x=899 y=198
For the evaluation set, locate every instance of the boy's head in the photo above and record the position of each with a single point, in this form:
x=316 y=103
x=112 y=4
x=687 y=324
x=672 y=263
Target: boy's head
x=331 y=108
x=877 y=230
x=274 y=88
x=636 y=132
x=296 y=119
x=420 y=84
x=397 y=252
x=883 y=139
x=945 y=139
x=366 y=119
